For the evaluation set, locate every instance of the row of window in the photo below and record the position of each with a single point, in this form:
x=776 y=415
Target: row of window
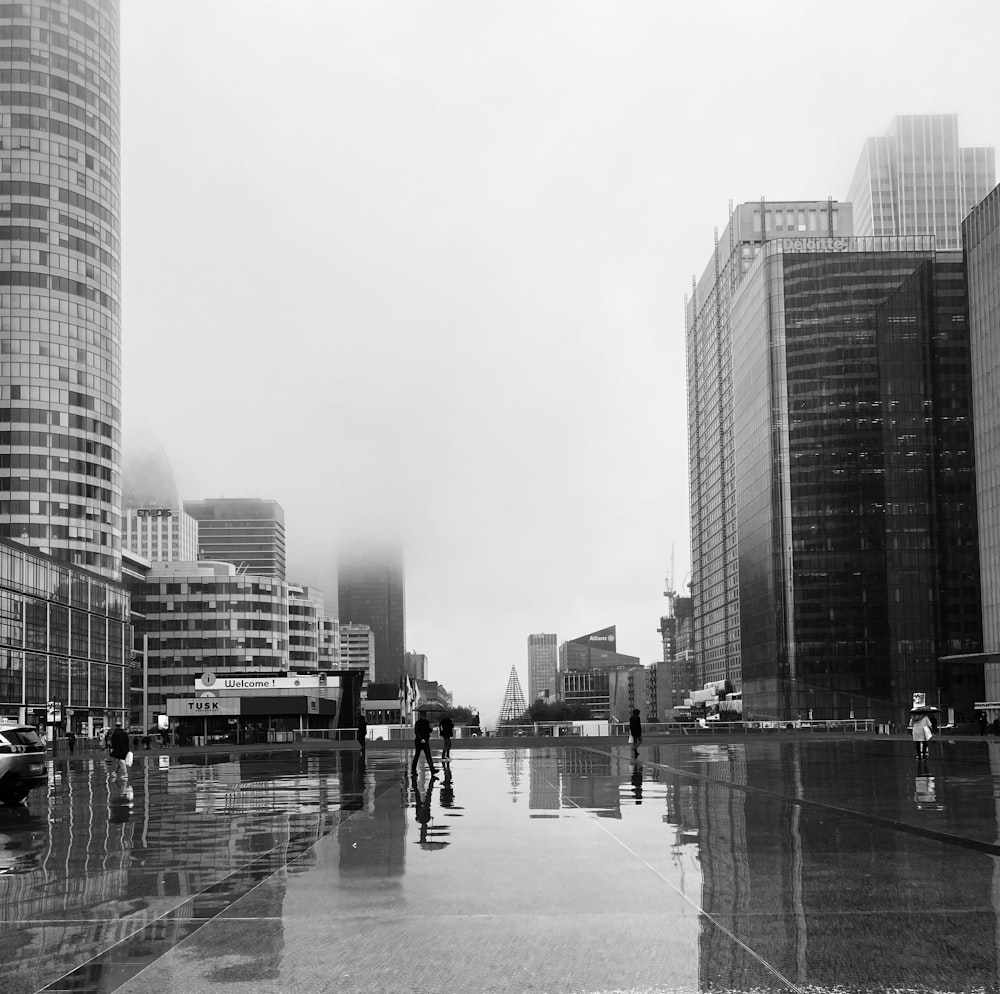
x=58 y=509
x=37 y=393
x=48 y=328
x=70 y=488
x=36 y=416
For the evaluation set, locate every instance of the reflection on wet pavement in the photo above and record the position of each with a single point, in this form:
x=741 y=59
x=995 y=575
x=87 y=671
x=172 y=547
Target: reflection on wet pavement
x=777 y=864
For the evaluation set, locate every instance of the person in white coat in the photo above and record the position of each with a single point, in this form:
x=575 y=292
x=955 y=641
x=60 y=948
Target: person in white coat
x=922 y=732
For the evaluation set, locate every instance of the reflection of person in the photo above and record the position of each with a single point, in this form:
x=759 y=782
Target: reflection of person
x=922 y=733
x=362 y=733
x=637 y=782
x=119 y=750
x=422 y=806
x=635 y=730
x=120 y=804
x=447 y=789
x=422 y=743
x=447 y=728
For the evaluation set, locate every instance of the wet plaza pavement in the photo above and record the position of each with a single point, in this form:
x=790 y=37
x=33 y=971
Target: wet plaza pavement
x=759 y=865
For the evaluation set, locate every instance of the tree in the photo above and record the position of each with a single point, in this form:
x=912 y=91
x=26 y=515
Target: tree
x=557 y=711
x=462 y=715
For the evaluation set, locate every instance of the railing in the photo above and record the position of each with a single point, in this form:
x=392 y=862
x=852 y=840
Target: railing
x=717 y=728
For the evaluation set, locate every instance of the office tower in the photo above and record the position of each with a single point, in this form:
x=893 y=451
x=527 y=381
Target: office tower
x=415 y=665
x=844 y=547
x=160 y=534
x=981 y=237
x=247 y=532
x=512 y=707
x=715 y=575
x=357 y=649
x=596 y=650
x=60 y=378
x=205 y=617
x=543 y=660
x=306 y=606
x=917 y=180
x=371 y=592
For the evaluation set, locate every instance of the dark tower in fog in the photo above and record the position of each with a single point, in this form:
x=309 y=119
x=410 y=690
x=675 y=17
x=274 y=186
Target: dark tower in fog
x=371 y=591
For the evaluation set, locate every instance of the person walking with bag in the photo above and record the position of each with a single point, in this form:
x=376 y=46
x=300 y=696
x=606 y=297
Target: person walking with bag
x=635 y=732
x=447 y=729
x=119 y=750
x=922 y=731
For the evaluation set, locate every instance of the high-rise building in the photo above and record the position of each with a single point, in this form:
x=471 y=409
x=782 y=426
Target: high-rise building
x=160 y=534
x=833 y=488
x=371 y=591
x=917 y=180
x=306 y=606
x=357 y=649
x=247 y=532
x=711 y=456
x=60 y=294
x=204 y=617
x=981 y=237
x=543 y=661
x=415 y=665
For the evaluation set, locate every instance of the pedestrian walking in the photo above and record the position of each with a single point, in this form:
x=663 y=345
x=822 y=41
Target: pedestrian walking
x=447 y=729
x=71 y=740
x=119 y=750
x=922 y=732
x=361 y=733
x=635 y=732
x=422 y=743
x=982 y=722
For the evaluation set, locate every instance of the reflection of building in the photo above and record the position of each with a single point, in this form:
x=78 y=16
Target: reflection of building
x=769 y=871
x=60 y=297
x=543 y=661
x=981 y=235
x=247 y=532
x=64 y=637
x=160 y=534
x=845 y=479
x=371 y=592
x=916 y=180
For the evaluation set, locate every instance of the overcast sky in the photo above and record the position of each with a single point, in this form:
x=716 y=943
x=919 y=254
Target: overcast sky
x=419 y=269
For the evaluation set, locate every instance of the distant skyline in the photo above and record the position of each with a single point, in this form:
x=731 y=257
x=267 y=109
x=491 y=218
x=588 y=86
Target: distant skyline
x=420 y=272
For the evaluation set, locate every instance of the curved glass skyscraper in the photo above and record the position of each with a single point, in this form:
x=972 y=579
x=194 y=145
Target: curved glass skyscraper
x=60 y=334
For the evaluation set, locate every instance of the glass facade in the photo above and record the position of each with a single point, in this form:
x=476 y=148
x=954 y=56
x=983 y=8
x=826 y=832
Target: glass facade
x=715 y=631
x=981 y=235
x=371 y=592
x=64 y=638
x=305 y=608
x=855 y=480
x=917 y=180
x=60 y=335
x=543 y=660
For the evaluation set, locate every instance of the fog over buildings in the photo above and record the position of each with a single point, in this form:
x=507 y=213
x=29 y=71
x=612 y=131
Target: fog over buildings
x=419 y=274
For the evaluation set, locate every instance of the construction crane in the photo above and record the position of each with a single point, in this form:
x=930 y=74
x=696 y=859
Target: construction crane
x=670 y=593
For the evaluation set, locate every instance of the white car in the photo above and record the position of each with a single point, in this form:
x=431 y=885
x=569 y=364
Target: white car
x=22 y=763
